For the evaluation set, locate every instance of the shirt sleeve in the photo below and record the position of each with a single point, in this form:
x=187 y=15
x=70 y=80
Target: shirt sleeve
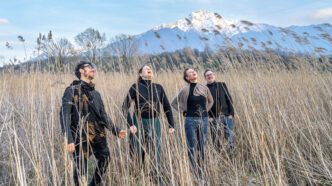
x=126 y=104
x=229 y=100
x=109 y=123
x=167 y=108
x=65 y=113
x=209 y=99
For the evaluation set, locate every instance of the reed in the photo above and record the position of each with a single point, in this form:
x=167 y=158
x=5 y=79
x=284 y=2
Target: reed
x=282 y=124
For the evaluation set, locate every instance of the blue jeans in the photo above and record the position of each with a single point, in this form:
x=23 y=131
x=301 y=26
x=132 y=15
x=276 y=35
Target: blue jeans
x=216 y=131
x=196 y=129
x=146 y=140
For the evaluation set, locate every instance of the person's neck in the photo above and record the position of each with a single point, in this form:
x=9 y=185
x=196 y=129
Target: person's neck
x=88 y=81
x=146 y=79
x=211 y=83
x=193 y=81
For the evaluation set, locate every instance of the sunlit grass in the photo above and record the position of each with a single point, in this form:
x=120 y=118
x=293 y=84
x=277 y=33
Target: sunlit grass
x=282 y=126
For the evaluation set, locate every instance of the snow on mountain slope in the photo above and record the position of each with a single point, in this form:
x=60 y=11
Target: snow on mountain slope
x=206 y=29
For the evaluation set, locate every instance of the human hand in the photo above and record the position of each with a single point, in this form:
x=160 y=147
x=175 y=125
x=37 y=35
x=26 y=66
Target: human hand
x=210 y=120
x=133 y=129
x=122 y=134
x=71 y=147
x=171 y=130
x=230 y=117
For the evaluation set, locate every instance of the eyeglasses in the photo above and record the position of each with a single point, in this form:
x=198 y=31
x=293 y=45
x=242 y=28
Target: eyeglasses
x=208 y=75
x=89 y=66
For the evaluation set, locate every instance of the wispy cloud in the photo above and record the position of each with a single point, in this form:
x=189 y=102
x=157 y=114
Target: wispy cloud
x=322 y=14
x=3 y=20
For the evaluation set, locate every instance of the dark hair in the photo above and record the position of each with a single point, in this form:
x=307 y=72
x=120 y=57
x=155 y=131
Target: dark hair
x=185 y=75
x=207 y=71
x=140 y=71
x=79 y=66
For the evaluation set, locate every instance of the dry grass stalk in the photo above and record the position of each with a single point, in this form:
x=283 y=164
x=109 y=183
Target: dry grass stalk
x=218 y=26
x=188 y=21
x=282 y=128
x=218 y=15
x=247 y=22
x=216 y=32
x=157 y=35
x=203 y=38
x=205 y=30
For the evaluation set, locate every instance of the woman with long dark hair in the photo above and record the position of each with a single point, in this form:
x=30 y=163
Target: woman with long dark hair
x=144 y=125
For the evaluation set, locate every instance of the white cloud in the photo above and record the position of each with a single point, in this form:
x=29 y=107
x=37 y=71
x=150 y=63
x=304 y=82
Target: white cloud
x=3 y=20
x=322 y=14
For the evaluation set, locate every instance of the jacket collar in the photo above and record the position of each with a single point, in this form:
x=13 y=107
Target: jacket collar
x=212 y=84
x=88 y=86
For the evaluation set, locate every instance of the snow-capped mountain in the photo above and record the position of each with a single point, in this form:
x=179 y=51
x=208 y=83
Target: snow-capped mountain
x=206 y=29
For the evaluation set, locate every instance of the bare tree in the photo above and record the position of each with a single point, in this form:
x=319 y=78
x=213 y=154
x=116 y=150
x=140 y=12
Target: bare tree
x=90 y=41
x=57 y=50
x=125 y=47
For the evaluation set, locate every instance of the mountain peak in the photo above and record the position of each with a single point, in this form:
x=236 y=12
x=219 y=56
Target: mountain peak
x=200 y=20
x=200 y=13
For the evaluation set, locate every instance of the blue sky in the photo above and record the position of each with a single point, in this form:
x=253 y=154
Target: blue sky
x=68 y=18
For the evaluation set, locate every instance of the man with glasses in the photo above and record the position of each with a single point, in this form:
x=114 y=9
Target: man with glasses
x=83 y=121
x=221 y=113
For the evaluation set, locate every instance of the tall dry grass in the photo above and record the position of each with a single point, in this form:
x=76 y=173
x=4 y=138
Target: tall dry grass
x=283 y=129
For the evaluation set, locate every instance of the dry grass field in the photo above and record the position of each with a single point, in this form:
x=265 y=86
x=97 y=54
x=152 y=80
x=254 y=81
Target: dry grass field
x=283 y=129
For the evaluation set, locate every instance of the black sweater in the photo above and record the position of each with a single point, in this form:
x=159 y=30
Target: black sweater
x=196 y=105
x=147 y=97
x=223 y=103
x=69 y=114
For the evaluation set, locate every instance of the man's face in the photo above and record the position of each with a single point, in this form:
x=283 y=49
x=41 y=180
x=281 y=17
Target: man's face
x=191 y=75
x=88 y=71
x=209 y=77
x=146 y=73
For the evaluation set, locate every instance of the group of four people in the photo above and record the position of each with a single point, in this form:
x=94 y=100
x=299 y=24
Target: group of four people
x=83 y=119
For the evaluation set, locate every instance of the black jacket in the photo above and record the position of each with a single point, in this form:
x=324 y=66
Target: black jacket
x=141 y=94
x=70 y=114
x=223 y=103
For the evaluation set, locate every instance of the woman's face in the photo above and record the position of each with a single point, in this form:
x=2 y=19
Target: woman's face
x=191 y=75
x=146 y=73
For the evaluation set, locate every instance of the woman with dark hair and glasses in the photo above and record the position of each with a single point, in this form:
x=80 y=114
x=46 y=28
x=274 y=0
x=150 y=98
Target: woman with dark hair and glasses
x=194 y=101
x=144 y=125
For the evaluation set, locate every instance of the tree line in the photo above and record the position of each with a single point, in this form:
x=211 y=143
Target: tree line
x=121 y=54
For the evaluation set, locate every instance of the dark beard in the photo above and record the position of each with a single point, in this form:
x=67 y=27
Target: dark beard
x=86 y=75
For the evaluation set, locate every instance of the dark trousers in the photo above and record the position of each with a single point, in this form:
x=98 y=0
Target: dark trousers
x=196 y=129
x=216 y=127
x=146 y=141
x=95 y=144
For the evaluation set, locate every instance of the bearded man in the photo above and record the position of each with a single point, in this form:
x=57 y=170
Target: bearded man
x=83 y=121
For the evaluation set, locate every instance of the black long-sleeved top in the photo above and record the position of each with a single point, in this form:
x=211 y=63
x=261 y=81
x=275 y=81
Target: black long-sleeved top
x=69 y=112
x=223 y=104
x=147 y=97
x=196 y=105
